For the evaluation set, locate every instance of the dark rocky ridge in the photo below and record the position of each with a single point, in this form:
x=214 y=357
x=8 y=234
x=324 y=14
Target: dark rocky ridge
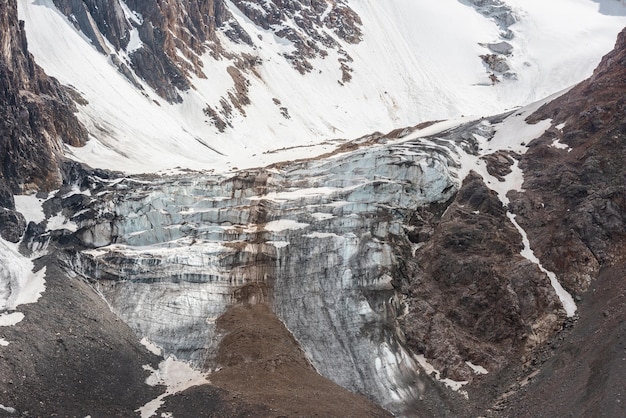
x=37 y=113
x=471 y=296
x=575 y=202
x=36 y=117
x=572 y=209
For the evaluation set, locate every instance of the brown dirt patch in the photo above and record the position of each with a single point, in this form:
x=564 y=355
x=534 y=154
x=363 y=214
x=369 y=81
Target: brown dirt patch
x=262 y=362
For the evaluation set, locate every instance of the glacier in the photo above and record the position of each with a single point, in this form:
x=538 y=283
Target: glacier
x=282 y=212
x=316 y=239
x=320 y=240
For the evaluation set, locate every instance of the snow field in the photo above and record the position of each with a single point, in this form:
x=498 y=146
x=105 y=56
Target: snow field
x=418 y=61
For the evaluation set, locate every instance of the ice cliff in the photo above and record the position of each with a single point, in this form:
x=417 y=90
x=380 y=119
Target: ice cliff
x=315 y=239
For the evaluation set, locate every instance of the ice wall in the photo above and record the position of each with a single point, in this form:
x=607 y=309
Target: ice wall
x=315 y=239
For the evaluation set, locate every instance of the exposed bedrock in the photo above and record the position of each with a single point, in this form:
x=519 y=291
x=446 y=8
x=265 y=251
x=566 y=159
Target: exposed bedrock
x=163 y=41
x=471 y=296
x=36 y=116
x=575 y=198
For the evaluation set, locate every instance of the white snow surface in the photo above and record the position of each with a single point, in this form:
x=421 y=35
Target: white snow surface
x=30 y=207
x=476 y=368
x=566 y=299
x=8 y=409
x=177 y=376
x=418 y=61
x=151 y=347
x=18 y=284
x=430 y=369
x=9 y=319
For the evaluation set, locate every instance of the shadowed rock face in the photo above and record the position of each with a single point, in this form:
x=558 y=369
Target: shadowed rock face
x=471 y=296
x=36 y=117
x=98 y=18
x=36 y=113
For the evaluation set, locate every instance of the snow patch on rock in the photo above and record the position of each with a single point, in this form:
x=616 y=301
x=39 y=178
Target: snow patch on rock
x=177 y=376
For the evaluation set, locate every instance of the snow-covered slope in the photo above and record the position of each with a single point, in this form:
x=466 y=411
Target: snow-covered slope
x=416 y=61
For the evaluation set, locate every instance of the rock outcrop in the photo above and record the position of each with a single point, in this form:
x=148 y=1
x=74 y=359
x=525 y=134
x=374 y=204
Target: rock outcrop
x=471 y=296
x=572 y=208
x=36 y=118
x=496 y=60
x=162 y=42
x=308 y=32
x=37 y=113
x=575 y=199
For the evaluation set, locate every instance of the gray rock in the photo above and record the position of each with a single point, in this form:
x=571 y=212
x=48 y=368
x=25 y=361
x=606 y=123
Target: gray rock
x=12 y=225
x=502 y=48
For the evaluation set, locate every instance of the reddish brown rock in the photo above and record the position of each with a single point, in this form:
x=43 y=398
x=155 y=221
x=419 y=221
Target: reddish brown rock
x=471 y=296
x=575 y=200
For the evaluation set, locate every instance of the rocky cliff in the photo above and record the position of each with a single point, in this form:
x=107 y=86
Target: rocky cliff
x=581 y=183
x=573 y=208
x=36 y=118
x=161 y=41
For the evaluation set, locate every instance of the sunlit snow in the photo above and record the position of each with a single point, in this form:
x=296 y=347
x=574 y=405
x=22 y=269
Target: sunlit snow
x=18 y=284
x=30 y=207
x=418 y=61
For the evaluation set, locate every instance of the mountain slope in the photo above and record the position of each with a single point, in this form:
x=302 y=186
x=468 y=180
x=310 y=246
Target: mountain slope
x=457 y=268
x=577 y=196
x=36 y=117
x=271 y=77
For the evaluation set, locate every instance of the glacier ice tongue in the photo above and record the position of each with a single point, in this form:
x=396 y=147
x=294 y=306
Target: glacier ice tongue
x=315 y=239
